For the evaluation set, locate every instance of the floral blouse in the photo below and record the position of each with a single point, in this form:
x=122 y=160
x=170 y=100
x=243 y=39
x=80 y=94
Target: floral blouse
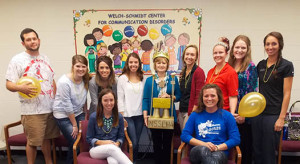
x=248 y=81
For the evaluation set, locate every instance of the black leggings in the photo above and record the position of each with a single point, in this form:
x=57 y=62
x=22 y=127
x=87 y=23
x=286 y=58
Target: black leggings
x=202 y=154
x=162 y=140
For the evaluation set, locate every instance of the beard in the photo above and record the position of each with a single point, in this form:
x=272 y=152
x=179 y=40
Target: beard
x=32 y=49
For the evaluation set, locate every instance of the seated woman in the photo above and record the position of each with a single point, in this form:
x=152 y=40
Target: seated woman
x=105 y=132
x=215 y=128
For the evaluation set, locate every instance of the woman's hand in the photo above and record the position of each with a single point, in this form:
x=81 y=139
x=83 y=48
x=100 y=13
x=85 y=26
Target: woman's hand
x=164 y=95
x=238 y=118
x=117 y=143
x=74 y=132
x=125 y=123
x=279 y=124
x=104 y=142
x=146 y=120
x=211 y=146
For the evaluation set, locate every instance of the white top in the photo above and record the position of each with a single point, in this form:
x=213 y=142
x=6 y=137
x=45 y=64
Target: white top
x=130 y=96
x=38 y=67
x=70 y=98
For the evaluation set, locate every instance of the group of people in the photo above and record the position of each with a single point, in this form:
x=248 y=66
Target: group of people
x=208 y=106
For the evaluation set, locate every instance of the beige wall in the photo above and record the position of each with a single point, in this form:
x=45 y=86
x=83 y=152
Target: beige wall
x=53 y=21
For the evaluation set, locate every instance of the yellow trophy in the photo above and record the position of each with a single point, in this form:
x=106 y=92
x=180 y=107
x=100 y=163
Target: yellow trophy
x=166 y=121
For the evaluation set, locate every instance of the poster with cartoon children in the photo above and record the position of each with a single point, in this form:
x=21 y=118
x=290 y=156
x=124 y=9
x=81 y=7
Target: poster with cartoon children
x=183 y=40
x=136 y=45
x=98 y=34
x=115 y=49
x=90 y=51
x=147 y=47
x=170 y=41
x=141 y=31
x=102 y=49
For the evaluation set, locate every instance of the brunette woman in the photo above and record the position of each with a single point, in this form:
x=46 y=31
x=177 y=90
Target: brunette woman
x=130 y=97
x=275 y=76
x=210 y=129
x=105 y=78
x=105 y=132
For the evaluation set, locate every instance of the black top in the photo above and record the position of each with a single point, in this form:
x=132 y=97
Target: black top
x=186 y=91
x=272 y=88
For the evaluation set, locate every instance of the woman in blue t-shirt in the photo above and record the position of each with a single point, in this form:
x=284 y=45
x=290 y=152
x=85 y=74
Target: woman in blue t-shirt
x=215 y=129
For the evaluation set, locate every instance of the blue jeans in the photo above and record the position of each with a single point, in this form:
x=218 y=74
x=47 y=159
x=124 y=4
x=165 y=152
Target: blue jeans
x=134 y=129
x=66 y=128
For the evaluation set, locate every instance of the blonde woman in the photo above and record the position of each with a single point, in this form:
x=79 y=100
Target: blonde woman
x=161 y=88
x=224 y=75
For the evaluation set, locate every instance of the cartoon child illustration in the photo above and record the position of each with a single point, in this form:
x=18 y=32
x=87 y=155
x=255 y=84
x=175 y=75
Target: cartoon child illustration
x=115 y=49
x=102 y=49
x=147 y=46
x=183 y=40
x=170 y=40
x=136 y=45
x=125 y=50
x=159 y=46
x=98 y=34
x=90 y=51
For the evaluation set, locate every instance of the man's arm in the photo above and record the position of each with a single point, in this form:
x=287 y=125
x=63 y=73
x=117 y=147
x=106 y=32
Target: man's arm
x=25 y=88
x=54 y=87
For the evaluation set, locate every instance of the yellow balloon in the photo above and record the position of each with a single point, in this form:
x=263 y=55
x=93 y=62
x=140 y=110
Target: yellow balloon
x=34 y=82
x=252 y=104
x=153 y=34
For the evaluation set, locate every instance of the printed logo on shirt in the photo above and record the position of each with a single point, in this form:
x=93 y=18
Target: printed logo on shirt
x=262 y=69
x=208 y=128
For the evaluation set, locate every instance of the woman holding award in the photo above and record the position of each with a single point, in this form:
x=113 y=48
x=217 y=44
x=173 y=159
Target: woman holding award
x=161 y=85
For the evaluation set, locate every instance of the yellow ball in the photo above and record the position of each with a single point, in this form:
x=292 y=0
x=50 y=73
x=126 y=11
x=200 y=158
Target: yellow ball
x=153 y=34
x=252 y=104
x=34 y=82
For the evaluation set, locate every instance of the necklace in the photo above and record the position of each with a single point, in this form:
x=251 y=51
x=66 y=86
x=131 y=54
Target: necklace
x=186 y=79
x=265 y=81
x=161 y=83
x=77 y=90
x=209 y=81
x=108 y=123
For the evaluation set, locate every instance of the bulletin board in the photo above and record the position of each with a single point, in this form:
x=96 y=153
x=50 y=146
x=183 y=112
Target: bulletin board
x=143 y=31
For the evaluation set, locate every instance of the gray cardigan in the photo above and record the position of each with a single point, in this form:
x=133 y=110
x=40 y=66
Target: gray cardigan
x=93 y=88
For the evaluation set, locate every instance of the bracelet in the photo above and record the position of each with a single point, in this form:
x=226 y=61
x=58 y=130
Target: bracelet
x=75 y=126
x=217 y=148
